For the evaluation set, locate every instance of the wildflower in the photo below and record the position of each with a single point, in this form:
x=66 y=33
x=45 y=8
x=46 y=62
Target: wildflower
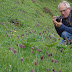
x=18 y=37
x=14 y=31
x=44 y=31
x=30 y=32
x=35 y=63
x=37 y=49
x=20 y=46
x=42 y=57
x=17 y=44
x=52 y=59
x=32 y=51
x=61 y=50
x=15 y=51
x=46 y=52
x=37 y=24
x=23 y=46
x=51 y=54
x=55 y=61
x=22 y=34
x=32 y=47
x=3 y=23
x=22 y=59
x=47 y=70
x=40 y=33
x=40 y=51
x=13 y=34
x=9 y=48
x=32 y=70
x=60 y=71
x=49 y=36
x=53 y=70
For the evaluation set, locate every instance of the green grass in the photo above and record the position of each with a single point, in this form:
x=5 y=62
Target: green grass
x=35 y=29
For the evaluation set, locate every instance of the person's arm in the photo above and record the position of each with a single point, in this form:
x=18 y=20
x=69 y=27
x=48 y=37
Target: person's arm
x=57 y=25
x=65 y=28
x=58 y=31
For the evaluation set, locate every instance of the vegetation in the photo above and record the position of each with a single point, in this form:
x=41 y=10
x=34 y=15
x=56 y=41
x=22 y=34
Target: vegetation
x=28 y=39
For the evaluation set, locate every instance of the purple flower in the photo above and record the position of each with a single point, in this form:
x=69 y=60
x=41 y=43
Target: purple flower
x=11 y=35
x=47 y=69
x=23 y=46
x=51 y=54
x=32 y=47
x=37 y=49
x=22 y=59
x=3 y=23
x=49 y=36
x=42 y=57
x=60 y=71
x=30 y=32
x=47 y=52
x=53 y=70
x=15 y=51
x=40 y=51
x=22 y=34
x=17 y=44
x=32 y=51
x=52 y=59
x=32 y=70
x=61 y=50
x=20 y=46
x=40 y=33
x=37 y=24
x=35 y=63
x=55 y=61
x=44 y=31
x=18 y=37
x=9 y=48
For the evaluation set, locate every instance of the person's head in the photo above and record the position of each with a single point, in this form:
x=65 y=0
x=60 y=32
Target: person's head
x=65 y=8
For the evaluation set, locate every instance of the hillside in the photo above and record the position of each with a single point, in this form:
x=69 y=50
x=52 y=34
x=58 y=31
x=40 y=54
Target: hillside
x=28 y=12
x=28 y=39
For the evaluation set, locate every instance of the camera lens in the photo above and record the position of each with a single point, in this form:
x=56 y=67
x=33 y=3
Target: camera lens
x=58 y=20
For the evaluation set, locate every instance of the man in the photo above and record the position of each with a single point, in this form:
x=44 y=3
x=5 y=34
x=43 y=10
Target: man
x=64 y=27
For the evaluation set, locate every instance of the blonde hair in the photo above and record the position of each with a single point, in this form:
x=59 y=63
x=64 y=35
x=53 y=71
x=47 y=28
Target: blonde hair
x=65 y=3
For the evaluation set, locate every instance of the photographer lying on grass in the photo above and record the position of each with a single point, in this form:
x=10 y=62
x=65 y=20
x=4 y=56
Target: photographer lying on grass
x=63 y=23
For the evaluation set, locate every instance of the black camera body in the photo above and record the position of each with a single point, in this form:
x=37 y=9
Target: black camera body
x=59 y=18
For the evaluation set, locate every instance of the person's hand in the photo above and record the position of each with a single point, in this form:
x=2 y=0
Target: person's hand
x=54 y=19
x=57 y=24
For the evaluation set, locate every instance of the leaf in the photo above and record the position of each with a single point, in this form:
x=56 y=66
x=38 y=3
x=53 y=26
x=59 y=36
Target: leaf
x=51 y=45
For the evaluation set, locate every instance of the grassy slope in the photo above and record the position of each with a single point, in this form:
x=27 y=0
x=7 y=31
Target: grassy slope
x=30 y=16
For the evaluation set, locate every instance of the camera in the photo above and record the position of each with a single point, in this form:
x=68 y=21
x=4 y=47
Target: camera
x=59 y=18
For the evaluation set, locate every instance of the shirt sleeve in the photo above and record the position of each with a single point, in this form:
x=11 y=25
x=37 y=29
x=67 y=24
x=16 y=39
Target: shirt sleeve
x=65 y=28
